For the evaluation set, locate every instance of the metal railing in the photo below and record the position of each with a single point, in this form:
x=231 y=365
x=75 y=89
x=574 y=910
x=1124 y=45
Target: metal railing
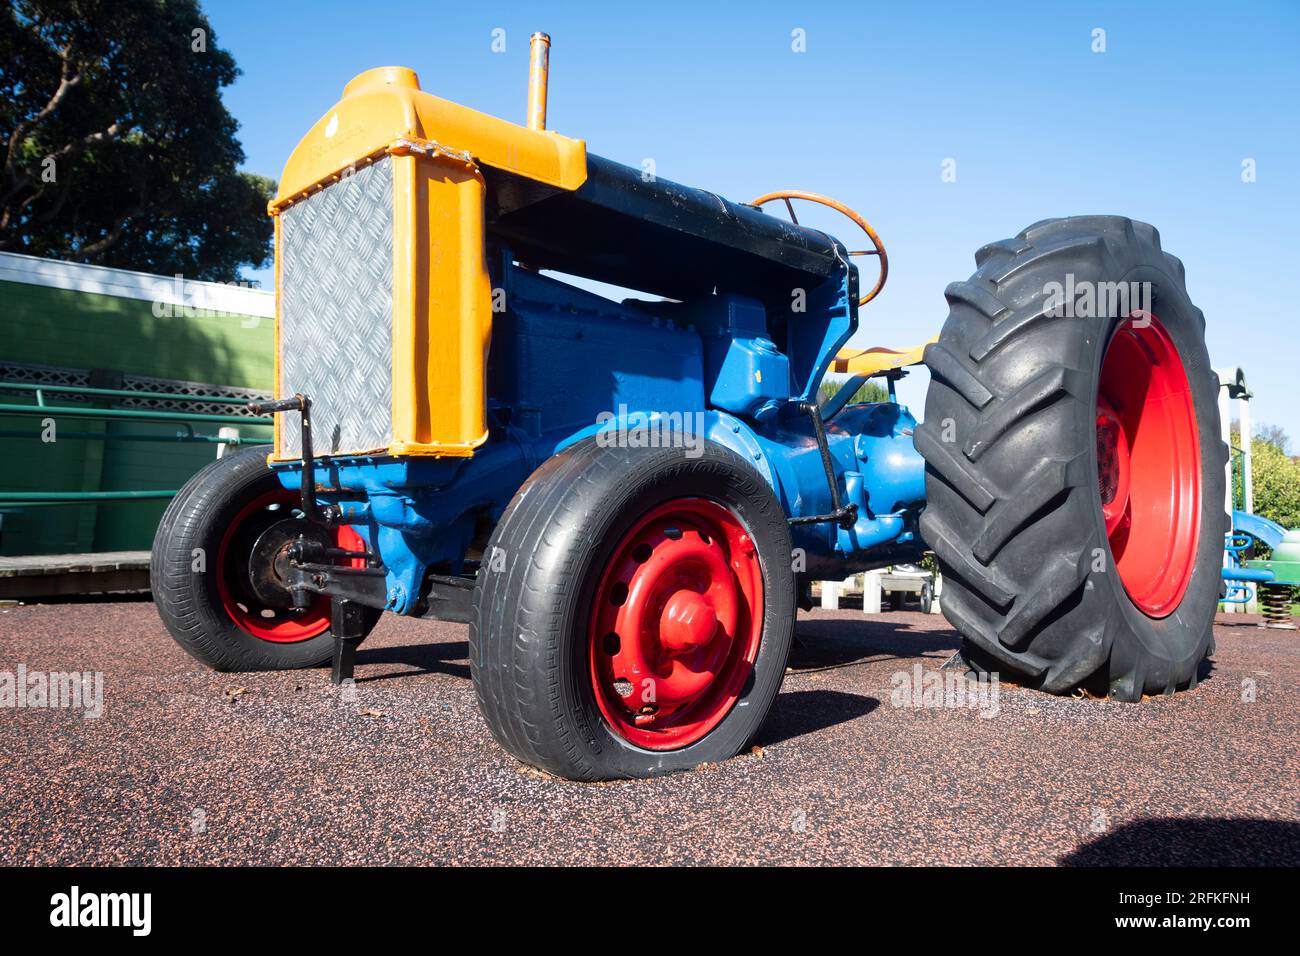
x=118 y=393
x=13 y=500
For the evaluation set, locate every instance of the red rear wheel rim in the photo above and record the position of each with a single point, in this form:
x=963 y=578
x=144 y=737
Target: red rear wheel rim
x=1148 y=465
x=675 y=625
x=276 y=625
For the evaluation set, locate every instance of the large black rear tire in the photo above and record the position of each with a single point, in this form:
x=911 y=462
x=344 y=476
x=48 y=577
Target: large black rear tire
x=1014 y=490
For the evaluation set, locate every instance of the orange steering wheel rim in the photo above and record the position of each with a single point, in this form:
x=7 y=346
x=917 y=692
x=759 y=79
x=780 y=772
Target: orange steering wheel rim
x=879 y=247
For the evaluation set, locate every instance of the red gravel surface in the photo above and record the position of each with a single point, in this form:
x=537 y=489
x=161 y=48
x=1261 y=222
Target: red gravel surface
x=192 y=767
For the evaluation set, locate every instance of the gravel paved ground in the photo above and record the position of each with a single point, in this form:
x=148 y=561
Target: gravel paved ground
x=188 y=766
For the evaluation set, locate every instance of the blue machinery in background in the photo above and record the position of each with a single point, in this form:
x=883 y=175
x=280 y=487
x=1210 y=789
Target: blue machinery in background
x=1242 y=573
x=1245 y=576
x=1246 y=530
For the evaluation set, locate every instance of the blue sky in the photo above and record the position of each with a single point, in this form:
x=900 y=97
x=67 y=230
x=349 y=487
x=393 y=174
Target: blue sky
x=1155 y=128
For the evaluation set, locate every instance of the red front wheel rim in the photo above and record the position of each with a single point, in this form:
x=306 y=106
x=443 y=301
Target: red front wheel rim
x=675 y=624
x=273 y=624
x=1148 y=464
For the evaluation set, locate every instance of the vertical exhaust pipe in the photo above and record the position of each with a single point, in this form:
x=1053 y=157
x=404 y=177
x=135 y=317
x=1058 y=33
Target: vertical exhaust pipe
x=539 y=58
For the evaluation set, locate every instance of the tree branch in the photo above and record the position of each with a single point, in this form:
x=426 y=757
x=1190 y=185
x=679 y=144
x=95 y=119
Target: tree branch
x=114 y=234
x=67 y=80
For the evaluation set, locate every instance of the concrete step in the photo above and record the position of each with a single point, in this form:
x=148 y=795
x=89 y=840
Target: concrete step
x=55 y=575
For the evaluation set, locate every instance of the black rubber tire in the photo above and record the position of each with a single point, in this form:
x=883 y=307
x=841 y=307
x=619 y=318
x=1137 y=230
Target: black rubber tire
x=527 y=638
x=1013 y=509
x=188 y=601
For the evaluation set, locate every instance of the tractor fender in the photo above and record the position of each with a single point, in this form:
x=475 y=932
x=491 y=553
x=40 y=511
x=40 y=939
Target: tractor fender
x=721 y=428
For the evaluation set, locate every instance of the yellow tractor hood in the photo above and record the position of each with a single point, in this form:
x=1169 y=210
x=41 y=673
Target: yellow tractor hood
x=385 y=106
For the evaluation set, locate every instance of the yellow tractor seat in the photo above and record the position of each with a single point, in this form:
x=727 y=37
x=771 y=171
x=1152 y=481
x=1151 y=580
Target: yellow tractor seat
x=873 y=361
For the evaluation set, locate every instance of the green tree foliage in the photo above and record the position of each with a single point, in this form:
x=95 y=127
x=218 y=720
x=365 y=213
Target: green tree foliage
x=1276 y=477
x=117 y=147
x=869 y=392
x=1274 y=434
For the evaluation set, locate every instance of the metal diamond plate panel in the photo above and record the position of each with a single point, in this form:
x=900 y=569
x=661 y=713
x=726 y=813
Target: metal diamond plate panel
x=336 y=313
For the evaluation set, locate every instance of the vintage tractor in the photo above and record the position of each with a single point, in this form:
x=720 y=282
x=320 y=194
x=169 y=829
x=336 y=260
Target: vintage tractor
x=627 y=500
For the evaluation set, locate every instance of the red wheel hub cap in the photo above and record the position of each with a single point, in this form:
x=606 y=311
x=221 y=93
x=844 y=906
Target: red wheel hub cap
x=688 y=622
x=1148 y=465
x=675 y=624
x=252 y=615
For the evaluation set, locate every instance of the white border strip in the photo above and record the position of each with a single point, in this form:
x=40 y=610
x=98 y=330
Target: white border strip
x=210 y=297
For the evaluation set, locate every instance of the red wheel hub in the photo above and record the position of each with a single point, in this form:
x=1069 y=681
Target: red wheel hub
x=675 y=624
x=1148 y=465
x=250 y=613
x=1113 y=454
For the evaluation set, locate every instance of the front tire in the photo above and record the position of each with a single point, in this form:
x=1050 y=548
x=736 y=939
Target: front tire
x=1074 y=465
x=634 y=612
x=200 y=572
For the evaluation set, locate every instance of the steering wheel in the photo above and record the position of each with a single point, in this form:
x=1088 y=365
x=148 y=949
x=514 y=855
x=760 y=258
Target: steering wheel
x=879 y=247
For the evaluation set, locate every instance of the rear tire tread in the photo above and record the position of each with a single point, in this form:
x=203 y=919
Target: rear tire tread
x=1014 y=368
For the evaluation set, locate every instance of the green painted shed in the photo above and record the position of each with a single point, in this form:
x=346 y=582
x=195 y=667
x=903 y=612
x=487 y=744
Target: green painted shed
x=184 y=347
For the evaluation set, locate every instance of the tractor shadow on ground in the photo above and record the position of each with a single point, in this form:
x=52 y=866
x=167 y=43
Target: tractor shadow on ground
x=801 y=712
x=1195 y=842
x=825 y=643
x=434 y=657
x=820 y=644
x=794 y=714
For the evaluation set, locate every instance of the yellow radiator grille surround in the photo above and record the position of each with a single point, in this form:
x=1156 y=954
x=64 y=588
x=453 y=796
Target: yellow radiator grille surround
x=441 y=293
